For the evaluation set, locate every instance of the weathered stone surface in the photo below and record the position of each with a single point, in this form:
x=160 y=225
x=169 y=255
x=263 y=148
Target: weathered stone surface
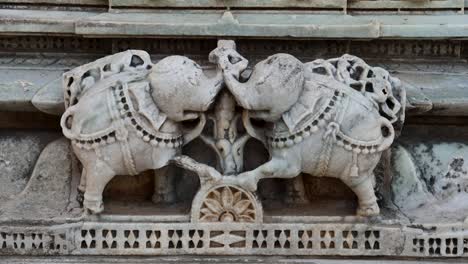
x=18 y=154
x=47 y=192
x=18 y=86
x=49 y=99
x=430 y=181
x=408 y=187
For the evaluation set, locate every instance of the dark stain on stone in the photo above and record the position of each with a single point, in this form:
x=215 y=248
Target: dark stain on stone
x=456 y=168
x=457 y=164
x=424 y=228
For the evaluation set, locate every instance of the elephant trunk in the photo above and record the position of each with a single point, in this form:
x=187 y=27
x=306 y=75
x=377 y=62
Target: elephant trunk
x=239 y=90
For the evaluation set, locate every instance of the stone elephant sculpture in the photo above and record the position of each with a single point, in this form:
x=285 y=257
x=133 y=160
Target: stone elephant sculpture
x=123 y=115
x=325 y=118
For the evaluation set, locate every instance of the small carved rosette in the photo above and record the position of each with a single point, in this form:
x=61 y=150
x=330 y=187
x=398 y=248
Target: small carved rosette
x=226 y=203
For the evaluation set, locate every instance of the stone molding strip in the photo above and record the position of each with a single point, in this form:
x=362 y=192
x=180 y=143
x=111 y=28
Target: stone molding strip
x=338 y=5
x=437 y=98
x=231 y=24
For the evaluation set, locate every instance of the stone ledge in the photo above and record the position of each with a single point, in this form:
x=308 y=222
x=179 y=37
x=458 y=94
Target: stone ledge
x=234 y=239
x=338 y=5
x=42 y=22
x=209 y=23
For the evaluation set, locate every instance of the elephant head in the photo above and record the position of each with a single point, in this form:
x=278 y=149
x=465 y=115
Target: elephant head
x=273 y=87
x=181 y=89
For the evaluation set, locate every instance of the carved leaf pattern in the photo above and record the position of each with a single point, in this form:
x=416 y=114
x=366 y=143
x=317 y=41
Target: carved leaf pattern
x=237 y=197
x=214 y=205
x=227 y=197
x=227 y=204
x=241 y=206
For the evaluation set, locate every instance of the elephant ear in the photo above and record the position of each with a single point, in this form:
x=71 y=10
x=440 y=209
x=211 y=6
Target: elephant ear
x=140 y=92
x=81 y=80
x=307 y=104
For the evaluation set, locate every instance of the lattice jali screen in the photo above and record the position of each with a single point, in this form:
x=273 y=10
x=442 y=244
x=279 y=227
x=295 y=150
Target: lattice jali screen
x=108 y=238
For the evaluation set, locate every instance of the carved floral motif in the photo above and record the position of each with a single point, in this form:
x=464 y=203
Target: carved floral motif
x=227 y=204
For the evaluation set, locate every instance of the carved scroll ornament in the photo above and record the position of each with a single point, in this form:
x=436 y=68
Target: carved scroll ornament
x=325 y=118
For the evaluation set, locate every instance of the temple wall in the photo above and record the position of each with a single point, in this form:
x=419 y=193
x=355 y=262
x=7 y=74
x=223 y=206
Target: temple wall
x=421 y=180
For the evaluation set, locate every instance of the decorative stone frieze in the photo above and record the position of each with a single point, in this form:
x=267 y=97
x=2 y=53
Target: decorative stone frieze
x=135 y=106
x=126 y=114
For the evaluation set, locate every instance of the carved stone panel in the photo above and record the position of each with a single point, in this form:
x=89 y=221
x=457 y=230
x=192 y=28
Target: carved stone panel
x=258 y=145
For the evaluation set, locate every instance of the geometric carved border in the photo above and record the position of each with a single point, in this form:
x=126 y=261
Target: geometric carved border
x=112 y=238
x=234 y=238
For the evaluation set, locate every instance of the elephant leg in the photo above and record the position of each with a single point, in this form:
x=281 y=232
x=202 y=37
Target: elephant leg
x=364 y=190
x=275 y=168
x=82 y=187
x=97 y=178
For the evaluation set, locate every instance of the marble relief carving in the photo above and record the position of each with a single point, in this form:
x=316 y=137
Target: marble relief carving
x=125 y=114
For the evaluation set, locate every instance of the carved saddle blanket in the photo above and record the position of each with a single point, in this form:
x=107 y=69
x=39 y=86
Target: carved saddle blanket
x=330 y=87
x=321 y=109
x=112 y=108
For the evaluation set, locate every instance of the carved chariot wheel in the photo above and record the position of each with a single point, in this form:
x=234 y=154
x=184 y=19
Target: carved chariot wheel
x=226 y=203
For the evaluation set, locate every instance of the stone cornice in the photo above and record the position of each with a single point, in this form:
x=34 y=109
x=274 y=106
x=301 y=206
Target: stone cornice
x=337 y=5
x=216 y=23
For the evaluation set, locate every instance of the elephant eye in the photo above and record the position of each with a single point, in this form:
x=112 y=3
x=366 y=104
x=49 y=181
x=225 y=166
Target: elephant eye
x=233 y=60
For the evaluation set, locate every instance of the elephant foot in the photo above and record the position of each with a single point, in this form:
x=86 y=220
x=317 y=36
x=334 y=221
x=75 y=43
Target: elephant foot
x=368 y=209
x=247 y=181
x=95 y=207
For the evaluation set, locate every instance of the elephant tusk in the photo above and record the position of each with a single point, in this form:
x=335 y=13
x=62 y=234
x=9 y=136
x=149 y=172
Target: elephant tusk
x=188 y=137
x=250 y=128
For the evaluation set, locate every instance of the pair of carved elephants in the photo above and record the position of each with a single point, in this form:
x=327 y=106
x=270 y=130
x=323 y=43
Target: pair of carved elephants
x=123 y=115
x=325 y=118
